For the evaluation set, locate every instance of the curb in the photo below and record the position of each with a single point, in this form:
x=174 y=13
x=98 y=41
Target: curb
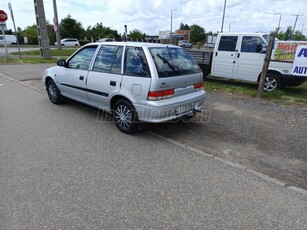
x=231 y=164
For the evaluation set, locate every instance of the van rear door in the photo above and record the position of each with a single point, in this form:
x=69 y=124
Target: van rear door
x=224 y=57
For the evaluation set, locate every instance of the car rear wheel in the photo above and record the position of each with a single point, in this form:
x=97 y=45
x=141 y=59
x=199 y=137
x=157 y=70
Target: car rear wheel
x=272 y=82
x=54 y=93
x=124 y=116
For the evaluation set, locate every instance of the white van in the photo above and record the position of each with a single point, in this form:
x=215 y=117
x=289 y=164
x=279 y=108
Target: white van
x=240 y=56
x=10 y=40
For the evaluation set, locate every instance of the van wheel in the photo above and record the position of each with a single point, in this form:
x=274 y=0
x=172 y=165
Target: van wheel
x=272 y=82
x=124 y=116
x=54 y=93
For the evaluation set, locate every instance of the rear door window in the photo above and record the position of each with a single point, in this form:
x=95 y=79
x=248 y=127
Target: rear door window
x=135 y=62
x=228 y=43
x=173 y=61
x=108 y=59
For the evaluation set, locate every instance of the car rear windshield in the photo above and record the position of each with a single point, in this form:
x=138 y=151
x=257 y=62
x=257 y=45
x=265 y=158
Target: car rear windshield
x=173 y=61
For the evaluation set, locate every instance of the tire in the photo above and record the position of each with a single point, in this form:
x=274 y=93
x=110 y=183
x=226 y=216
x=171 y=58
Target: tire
x=54 y=93
x=272 y=82
x=124 y=116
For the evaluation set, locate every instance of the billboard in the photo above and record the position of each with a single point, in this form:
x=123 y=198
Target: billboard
x=285 y=50
x=300 y=61
x=164 y=34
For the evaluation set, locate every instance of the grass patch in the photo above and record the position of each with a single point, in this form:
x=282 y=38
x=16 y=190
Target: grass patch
x=231 y=87
x=27 y=61
x=54 y=52
x=291 y=95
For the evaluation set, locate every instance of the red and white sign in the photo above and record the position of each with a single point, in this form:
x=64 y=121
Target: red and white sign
x=3 y=16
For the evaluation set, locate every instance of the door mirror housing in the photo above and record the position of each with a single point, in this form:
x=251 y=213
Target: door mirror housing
x=62 y=63
x=264 y=47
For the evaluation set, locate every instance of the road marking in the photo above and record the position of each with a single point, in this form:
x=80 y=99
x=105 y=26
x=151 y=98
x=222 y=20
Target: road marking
x=1 y=84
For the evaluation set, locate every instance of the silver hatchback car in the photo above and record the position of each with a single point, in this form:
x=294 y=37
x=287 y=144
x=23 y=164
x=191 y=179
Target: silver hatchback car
x=137 y=82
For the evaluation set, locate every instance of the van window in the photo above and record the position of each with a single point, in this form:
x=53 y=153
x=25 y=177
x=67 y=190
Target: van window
x=109 y=59
x=135 y=62
x=173 y=61
x=228 y=43
x=251 y=44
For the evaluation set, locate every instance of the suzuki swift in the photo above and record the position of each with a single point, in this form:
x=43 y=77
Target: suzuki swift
x=136 y=82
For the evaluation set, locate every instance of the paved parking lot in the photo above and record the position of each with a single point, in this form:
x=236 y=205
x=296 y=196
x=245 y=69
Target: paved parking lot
x=61 y=169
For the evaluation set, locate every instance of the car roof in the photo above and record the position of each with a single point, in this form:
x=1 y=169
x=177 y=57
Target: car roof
x=138 y=44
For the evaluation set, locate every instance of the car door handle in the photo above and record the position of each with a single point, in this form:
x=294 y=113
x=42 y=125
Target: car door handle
x=113 y=83
x=81 y=78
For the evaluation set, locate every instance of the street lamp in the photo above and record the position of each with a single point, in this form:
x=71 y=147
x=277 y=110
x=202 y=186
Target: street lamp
x=172 y=23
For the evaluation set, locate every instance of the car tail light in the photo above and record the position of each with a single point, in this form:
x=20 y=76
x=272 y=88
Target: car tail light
x=158 y=95
x=198 y=86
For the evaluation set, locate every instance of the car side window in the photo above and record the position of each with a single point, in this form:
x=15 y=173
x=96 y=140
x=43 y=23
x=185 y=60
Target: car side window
x=82 y=59
x=109 y=59
x=135 y=62
x=252 y=44
x=228 y=43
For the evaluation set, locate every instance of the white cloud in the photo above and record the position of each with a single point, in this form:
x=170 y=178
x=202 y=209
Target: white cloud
x=152 y=16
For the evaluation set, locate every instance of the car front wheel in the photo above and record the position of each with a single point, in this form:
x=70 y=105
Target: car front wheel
x=124 y=116
x=54 y=92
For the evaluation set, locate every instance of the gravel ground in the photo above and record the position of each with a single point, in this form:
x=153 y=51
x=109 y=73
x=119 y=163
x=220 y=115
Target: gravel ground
x=258 y=134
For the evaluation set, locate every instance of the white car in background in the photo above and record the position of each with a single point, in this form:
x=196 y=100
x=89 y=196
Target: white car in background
x=69 y=42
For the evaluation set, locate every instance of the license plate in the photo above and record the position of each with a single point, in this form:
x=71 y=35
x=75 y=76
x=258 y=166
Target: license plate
x=184 y=108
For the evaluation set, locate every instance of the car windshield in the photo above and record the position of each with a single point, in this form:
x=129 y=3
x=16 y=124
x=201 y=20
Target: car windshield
x=173 y=61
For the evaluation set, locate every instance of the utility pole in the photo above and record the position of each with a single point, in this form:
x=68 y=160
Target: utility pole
x=43 y=39
x=278 y=27
x=172 y=25
x=222 y=27
x=296 y=18
x=266 y=65
x=56 y=25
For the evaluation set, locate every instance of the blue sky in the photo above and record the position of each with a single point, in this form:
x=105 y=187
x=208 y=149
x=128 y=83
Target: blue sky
x=152 y=16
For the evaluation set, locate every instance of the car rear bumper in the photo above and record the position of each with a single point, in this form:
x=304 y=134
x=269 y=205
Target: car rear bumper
x=168 y=109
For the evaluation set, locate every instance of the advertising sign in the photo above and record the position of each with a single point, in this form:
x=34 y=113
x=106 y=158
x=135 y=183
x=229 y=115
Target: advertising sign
x=300 y=61
x=285 y=50
x=164 y=35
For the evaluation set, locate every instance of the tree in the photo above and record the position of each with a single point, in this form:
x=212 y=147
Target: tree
x=184 y=26
x=70 y=28
x=99 y=31
x=197 y=33
x=136 y=34
x=289 y=35
x=31 y=33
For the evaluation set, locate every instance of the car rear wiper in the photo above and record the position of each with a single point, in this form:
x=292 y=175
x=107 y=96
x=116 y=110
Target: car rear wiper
x=172 y=66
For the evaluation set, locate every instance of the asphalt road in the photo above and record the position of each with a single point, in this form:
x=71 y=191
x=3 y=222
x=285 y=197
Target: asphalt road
x=61 y=168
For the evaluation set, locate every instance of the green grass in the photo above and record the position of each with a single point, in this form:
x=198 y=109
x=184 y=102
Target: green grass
x=27 y=60
x=291 y=95
x=54 y=52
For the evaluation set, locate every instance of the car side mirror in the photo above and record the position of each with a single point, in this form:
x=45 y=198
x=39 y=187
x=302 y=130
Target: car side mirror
x=263 y=50
x=61 y=62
